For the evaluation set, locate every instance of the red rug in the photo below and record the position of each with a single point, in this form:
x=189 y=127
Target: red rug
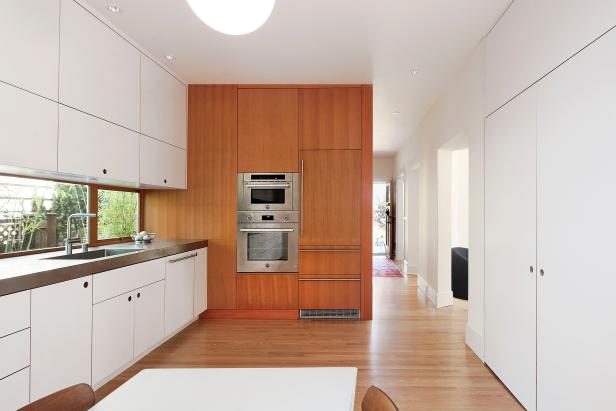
x=384 y=267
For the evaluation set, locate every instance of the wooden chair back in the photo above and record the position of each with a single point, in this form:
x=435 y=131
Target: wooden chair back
x=79 y=397
x=376 y=400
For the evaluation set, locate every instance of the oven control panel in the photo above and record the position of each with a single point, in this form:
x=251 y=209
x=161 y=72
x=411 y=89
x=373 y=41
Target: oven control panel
x=264 y=217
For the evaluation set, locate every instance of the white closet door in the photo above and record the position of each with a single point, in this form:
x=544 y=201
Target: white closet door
x=510 y=246
x=576 y=363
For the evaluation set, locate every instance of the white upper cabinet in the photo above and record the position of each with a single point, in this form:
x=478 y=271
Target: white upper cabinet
x=534 y=37
x=97 y=149
x=28 y=130
x=99 y=70
x=29 y=29
x=161 y=164
x=163 y=104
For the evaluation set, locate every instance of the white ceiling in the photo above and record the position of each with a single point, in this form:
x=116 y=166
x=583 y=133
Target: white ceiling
x=324 y=41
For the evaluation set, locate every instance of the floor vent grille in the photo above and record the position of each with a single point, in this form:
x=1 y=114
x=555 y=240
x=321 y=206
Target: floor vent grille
x=330 y=314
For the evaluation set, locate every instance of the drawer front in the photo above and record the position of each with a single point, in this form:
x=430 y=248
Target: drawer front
x=267 y=291
x=15 y=390
x=329 y=263
x=14 y=312
x=14 y=352
x=329 y=294
x=122 y=280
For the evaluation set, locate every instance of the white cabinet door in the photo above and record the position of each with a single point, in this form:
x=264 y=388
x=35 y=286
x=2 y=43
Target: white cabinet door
x=30 y=46
x=14 y=312
x=149 y=316
x=28 y=130
x=61 y=336
x=161 y=164
x=113 y=327
x=91 y=147
x=163 y=104
x=179 y=289
x=510 y=238
x=576 y=365
x=200 y=295
x=99 y=70
x=15 y=390
x=534 y=37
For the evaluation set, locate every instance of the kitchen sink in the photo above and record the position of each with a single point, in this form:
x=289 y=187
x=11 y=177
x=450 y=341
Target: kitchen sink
x=91 y=255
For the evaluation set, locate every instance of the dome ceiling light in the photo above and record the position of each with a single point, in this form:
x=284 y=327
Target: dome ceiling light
x=234 y=17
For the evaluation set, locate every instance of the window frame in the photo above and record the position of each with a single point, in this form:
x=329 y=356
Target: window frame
x=92 y=222
x=93 y=208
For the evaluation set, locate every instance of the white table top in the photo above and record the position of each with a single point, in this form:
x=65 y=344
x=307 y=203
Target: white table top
x=235 y=389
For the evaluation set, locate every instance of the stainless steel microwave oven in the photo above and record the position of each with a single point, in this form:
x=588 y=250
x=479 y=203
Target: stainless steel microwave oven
x=268 y=191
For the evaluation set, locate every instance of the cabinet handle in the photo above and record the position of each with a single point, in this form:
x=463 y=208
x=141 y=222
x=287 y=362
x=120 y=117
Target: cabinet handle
x=183 y=258
x=532 y=269
x=85 y=285
x=138 y=295
x=541 y=272
x=104 y=171
x=301 y=201
x=165 y=181
x=130 y=298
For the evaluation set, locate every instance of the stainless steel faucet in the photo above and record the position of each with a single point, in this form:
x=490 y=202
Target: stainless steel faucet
x=69 y=241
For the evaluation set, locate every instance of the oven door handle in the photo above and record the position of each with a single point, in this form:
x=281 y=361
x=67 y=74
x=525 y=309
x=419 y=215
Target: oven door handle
x=266 y=230
x=271 y=185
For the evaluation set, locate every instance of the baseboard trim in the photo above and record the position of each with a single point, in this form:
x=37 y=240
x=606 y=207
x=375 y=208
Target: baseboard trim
x=474 y=340
x=251 y=314
x=444 y=299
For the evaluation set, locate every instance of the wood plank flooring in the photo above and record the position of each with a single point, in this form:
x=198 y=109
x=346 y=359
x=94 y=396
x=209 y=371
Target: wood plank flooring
x=412 y=351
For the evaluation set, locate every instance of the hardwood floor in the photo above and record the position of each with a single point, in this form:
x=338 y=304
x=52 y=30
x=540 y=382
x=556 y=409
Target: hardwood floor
x=412 y=351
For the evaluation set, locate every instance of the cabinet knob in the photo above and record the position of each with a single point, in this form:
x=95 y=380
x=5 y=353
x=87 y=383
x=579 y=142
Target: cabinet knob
x=85 y=285
x=165 y=181
x=104 y=171
x=130 y=298
x=138 y=295
x=532 y=269
x=541 y=272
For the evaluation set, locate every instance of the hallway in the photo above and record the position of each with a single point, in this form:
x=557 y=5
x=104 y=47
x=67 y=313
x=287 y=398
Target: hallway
x=410 y=350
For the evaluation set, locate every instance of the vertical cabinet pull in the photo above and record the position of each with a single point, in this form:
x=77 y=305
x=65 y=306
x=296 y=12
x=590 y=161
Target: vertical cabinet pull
x=532 y=269
x=301 y=210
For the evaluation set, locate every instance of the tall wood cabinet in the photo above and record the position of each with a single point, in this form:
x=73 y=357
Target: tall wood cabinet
x=555 y=140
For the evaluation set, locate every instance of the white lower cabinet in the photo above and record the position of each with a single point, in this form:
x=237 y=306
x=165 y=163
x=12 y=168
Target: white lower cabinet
x=149 y=317
x=179 y=290
x=61 y=336
x=200 y=294
x=113 y=324
x=15 y=390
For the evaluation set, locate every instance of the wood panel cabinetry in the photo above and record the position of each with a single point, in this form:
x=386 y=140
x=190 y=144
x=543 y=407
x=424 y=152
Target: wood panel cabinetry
x=329 y=263
x=329 y=294
x=267 y=291
x=330 y=118
x=331 y=202
x=267 y=130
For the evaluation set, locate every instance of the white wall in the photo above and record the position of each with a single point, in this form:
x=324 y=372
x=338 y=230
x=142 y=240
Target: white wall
x=457 y=115
x=459 y=198
x=382 y=168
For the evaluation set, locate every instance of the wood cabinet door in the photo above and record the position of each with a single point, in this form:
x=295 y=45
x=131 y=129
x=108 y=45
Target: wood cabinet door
x=331 y=197
x=113 y=329
x=330 y=118
x=329 y=294
x=61 y=336
x=149 y=316
x=267 y=291
x=267 y=130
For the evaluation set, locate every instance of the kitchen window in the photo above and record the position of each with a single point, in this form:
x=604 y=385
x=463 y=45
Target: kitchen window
x=33 y=213
x=118 y=214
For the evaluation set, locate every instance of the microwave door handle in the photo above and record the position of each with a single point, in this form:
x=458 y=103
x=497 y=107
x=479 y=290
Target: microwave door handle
x=283 y=185
x=266 y=230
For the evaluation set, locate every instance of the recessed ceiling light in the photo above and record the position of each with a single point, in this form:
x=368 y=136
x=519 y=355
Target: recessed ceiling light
x=395 y=113
x=169 y=57
x=234 y=17
x=113 y=8
x=415 y=71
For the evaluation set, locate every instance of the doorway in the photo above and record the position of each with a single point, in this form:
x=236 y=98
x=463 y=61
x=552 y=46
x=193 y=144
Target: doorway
x=381 y=220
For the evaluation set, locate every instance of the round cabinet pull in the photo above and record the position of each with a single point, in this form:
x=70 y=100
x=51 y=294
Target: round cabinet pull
x=542 y=272
x=104 y=171
x=85 y=285
x=267 y=265
x=138 y=295
x=130 y=298
x=165 y=181
x=532 y=269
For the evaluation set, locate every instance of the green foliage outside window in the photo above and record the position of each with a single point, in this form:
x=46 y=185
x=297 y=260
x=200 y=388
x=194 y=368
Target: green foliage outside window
x=118 y=213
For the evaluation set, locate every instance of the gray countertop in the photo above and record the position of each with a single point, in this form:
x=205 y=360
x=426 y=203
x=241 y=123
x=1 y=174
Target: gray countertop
x=36 y=270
